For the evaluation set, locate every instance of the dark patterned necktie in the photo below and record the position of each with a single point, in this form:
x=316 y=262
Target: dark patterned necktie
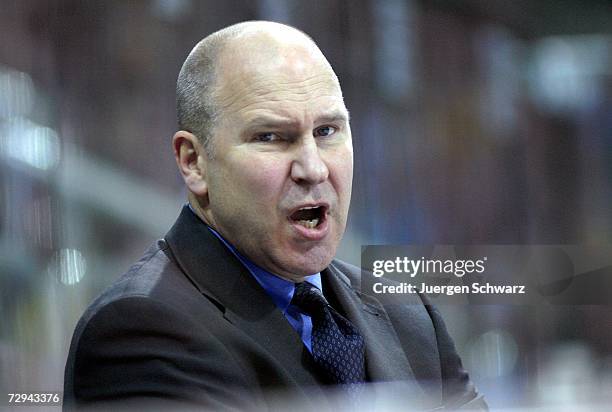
x=337 y=347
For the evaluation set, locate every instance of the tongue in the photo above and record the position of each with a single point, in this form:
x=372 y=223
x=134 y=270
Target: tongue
x=306 y=214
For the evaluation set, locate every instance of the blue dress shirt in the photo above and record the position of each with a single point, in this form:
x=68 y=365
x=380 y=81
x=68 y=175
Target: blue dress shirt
x=280 y=290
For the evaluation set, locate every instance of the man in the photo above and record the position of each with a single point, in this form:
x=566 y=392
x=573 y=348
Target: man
x=242 y=301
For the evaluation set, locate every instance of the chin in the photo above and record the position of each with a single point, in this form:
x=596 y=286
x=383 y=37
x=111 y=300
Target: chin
x=310 y=263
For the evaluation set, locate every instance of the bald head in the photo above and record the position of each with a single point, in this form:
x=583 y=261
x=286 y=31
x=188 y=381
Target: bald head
x=212 y=72
x=277 y=141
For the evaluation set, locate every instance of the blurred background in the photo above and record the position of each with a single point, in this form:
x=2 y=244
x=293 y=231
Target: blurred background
x=474 y=121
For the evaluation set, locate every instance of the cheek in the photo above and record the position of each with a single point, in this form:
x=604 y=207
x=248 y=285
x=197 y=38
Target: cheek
x=268 y=175
x=261 y=179
x=342 y=169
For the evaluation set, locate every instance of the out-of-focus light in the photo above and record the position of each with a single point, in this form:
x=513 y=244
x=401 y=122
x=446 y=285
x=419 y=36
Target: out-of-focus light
x=170 y=10
x=30 y=143
x=38 y=222
x=395 y=45
x=499 y=55
x=565 y=71
x=16 y=93
x=493 y=354
x=68 y=266
x=568 y=375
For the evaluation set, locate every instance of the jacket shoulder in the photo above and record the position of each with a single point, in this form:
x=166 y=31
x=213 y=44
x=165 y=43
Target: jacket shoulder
x=157 y=276
x=145 y=335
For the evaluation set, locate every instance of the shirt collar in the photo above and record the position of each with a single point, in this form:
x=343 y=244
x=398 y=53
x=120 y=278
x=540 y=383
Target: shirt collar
x=280 y=290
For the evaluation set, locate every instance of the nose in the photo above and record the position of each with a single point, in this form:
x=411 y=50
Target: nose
x=308 y=167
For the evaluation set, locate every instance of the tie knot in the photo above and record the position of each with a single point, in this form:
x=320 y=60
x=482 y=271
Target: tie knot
x=308 y=298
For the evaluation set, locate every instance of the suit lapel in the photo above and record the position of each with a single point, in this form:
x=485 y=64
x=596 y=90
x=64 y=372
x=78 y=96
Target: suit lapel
x=220 y=276
x=385 y=359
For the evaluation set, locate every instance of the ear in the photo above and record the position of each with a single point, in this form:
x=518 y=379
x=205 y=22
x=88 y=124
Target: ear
x=191 y=159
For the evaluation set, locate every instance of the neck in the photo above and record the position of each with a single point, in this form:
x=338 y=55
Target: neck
x=199 y=211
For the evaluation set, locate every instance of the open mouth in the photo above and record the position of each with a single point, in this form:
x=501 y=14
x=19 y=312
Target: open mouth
x=309 y=216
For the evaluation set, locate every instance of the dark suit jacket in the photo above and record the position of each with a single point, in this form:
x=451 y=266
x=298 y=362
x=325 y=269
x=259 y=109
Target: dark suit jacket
x=188 y=325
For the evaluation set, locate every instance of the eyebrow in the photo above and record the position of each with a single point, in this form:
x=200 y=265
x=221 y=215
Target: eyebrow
x=273 y=121
x=335 y=116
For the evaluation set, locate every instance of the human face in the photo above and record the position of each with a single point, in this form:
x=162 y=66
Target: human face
x=279 y=182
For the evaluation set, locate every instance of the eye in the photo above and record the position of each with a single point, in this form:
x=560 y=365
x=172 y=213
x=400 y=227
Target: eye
x=324 y=131
x=266 y=137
